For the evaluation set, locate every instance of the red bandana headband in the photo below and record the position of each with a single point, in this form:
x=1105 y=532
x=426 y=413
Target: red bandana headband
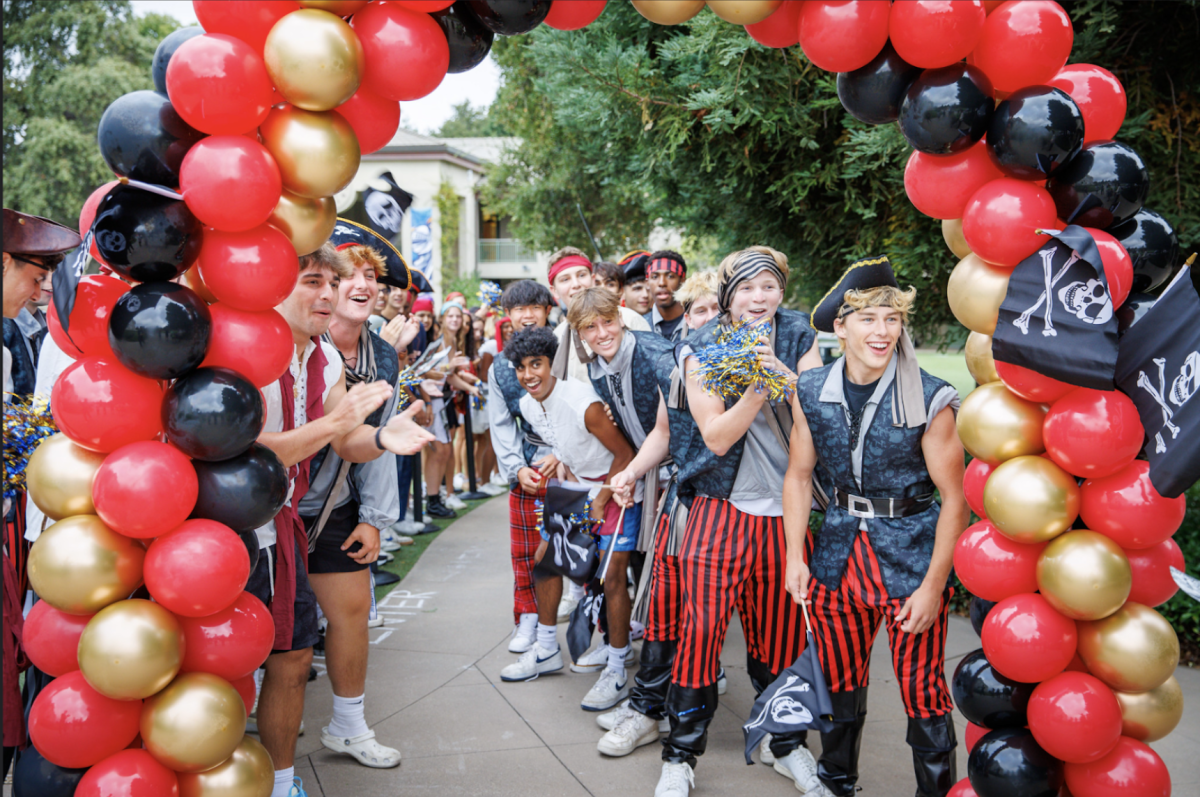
x=665 y=264
x=570 y=261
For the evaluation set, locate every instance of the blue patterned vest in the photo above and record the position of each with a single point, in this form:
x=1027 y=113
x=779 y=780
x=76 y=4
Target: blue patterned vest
x=650 y=349
x=24 y=369
x=511 y=391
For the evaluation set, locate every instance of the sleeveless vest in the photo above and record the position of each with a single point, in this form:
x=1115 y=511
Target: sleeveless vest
x=511 y=391
x=650 y=348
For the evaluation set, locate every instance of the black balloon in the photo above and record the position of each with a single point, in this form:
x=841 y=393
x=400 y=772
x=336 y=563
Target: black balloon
x=160 y=330
x=1152 y=245
x=34 y=776
x=469 y=39
x=947 y=110
x=146 y=237
x=250 y=540
x=873 y=93
x=213 y=414
x=1034 y=132
x=510 y=17
x=979 y=613
x=243 y=492
x=166 y=49
x=143 y=138
x=1132 y=309
x=1010 y=762
x=1105 y=184
x=987 y=698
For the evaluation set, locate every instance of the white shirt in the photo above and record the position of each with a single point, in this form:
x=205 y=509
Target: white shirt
x=560 y=421
x=576 y=369
x=490 y=347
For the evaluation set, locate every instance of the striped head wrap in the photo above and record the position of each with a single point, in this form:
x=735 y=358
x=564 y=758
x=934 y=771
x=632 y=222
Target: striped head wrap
x=748 y=266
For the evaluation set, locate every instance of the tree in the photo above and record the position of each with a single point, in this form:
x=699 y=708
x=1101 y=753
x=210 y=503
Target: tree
x=470 y=122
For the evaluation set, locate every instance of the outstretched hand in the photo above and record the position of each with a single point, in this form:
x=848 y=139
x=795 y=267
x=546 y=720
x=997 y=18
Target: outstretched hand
x=359 y=402
x=402 y=436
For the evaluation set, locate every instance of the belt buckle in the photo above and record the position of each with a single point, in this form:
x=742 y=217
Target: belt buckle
x=855 y=502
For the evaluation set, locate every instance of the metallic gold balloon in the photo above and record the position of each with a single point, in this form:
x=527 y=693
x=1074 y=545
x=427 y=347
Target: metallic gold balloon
x=975 y=292
x=79 y=565
x=195 y=723
x=744 y=12
x=249 y=772
x=193 y=280
x=952 y=234
x=1033 y=499
x=306 y=222
x=1132 y=650
x=668 y=12
x=314 y=59
x=1149 y=716
x=317 y=153
x=341 y=8
x=59 y=477
x=1084 y=575
x=994 y=424
x=979 y=359
x=131 y=650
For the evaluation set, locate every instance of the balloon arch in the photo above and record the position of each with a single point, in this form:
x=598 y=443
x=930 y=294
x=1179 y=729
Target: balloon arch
x=226 y=175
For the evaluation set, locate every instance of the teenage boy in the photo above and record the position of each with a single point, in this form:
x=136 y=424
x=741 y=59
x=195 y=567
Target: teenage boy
x=665 y=272
x=883 y=431
x=611 y=276
x=636 y=292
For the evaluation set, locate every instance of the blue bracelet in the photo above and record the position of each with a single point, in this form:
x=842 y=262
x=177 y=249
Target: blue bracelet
x=378 y=433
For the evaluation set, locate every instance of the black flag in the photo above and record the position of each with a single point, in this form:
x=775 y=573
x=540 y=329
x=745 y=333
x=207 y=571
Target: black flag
x=588 y=614
x=1057 y=317
x=66 y=282
x=386 y=208
x=572 y=552
x=797 y=700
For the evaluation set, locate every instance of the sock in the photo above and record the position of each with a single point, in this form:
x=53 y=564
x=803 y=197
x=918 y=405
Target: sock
x=574 y=591
x=348 y=717
x=547 y=637
x=616 y=658
x=283 y=782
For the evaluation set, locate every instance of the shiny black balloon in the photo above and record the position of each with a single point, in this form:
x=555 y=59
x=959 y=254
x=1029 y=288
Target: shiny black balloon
x=213 y=414
x=166 y=49
x=873 y=93
x=146 y=237
x=1034 y=132
x=160 y=330
x=979 y=613
x=243 y=492
x=1010 y=762
x=142 y=137
x=1131 y=311
x=250 y=540
x=1152 y=245
x=987 y=698
x=510 y=17
x=947 y=110
x=1105 y=184
x=469 y=39
x=34 y=776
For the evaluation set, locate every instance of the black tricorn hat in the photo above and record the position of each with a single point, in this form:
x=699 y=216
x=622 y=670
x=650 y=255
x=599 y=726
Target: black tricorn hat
x=870 y=272
x=399 y=275
x=634 y=265
x=33 y=235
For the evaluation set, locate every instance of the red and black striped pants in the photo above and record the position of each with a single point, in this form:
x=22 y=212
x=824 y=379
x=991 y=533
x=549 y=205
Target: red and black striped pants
x=846 y=620
x=729 y=559
x=524 y=541
x=662 y=617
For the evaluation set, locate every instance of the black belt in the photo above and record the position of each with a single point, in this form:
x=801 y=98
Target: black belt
x=861 y=507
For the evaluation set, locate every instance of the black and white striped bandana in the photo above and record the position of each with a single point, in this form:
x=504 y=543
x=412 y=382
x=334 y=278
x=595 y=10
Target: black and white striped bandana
x=749 y=265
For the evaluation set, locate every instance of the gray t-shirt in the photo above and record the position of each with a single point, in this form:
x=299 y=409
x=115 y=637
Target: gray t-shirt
x=758 y=487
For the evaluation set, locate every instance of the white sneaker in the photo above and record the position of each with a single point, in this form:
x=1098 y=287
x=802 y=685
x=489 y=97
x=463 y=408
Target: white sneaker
x=633 y=731
x=362 y=748
x=524 y=633
x=611 y=688
x=390 y=546
x=459 y=481
x=764 y=751
x=454 y=502
x=800 y=766
x=499 y=480
x=375 y=622
x=492 y=489
x=722 y=682
x=611 y=719
x=676 y=780
x=565 y=607
x=592 y=661
x=534 y=662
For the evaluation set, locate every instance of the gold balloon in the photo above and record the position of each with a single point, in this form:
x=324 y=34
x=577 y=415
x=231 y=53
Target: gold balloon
x=975 y=292
x=1132 y=650
x=341 y=8
x=744 y=12
x=317 y=153
x=668 y=12
x=314 y=59
x=193 y=280
x=1084 y=575
x=195 y=723
x=1033 y=499
x=59 y=477
x=131 y=650
x=1149 y=716
x=979 y=359
x=952 y=234
x=307 y=223
x=996 y=425
x=79 y=565
x=249 y=772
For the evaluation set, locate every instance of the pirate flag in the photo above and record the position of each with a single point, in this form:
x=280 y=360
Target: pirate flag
x=797 y=700
x=571 y=551
x=385 y=208
x=1159 y=368
x=1057 y=318
x=586 y=615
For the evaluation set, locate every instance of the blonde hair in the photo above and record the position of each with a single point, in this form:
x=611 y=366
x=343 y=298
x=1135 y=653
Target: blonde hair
x=696 y=287
x=360 y=255
x=590 y=304
x=728 y=265
x=328 y=257
x=881 y=296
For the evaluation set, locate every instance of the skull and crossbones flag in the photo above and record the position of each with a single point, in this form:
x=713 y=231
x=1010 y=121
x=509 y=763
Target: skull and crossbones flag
x=571 y=550
x=1159 y=368
x=797 y=700
x=1057 y=317
x=385 y=208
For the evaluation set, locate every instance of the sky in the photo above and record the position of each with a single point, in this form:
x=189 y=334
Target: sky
x=479 y=86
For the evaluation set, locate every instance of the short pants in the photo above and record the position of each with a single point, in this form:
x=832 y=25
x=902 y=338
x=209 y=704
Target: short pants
x=625 y=538
x=328 y=556
x=261 y=583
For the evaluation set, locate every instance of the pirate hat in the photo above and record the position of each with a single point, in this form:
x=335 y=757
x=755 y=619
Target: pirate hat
x=634 y=265
x=33 y=235
x=870 y=272
x=399 y=275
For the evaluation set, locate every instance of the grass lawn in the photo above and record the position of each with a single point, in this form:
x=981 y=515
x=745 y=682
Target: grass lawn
x=950 y=365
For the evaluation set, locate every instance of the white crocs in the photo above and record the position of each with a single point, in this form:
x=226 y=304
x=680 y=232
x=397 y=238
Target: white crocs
x=363 y=748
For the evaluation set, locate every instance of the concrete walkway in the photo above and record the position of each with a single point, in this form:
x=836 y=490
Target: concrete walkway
x=434 y=691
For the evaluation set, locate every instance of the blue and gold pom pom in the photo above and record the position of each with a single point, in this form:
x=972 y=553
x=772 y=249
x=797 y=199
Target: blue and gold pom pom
x=731 y=365
x=489 y=293
x=26 y=424
x=583 y=520
x=409 y=384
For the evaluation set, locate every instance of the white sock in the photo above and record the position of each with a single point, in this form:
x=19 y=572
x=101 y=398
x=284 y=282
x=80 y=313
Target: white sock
x=283 y=782
x=349 y=719
x=547 y=637
x=574 y=591
x=616 y=658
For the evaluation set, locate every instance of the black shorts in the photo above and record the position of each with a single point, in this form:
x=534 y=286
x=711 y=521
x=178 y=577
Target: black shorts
x=304 y=626
x=328 y=556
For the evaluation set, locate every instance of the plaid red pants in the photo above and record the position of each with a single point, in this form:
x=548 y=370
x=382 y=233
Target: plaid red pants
x=524 y=538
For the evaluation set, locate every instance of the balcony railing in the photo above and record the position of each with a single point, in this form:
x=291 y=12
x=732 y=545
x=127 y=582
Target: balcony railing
x=502 y=250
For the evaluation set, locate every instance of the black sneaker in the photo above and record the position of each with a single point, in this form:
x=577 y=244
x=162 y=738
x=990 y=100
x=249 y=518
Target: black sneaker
x=435 y=507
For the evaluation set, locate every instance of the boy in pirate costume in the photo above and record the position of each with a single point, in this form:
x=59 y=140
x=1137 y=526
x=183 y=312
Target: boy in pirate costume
x=882 y=432
x=665 y=272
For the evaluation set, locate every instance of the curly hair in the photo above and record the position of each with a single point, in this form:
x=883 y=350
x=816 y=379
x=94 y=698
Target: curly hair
x=532 y=342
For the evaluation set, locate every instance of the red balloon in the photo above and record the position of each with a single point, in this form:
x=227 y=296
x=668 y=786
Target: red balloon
x=1130 y=768
x=1093 y=433
x=1077 y=664
x=963 y=787
x=1026 y=640
x=102 y=406
x=842 y=35
x=219 y=85
x=429 y=6
x=935 y=33
x=1025 y=382
x=230 y=182
x=940 y=185
x=974 y=734
x=375 y=119
x=1075 y=717
x=246 y=689
x=248 y=20
x=781 y=29
x=175 y=581
x=994 y=567
x=974 y=480
x=129 y=773
x=95 y=299
x=1126 y=508
x=1000 y=220
x=1152 y=581
x=51 y=638
x=406 y=52
x=87 y=215
x=253 y=270
x=1023 y=44
x=145 y=489
x=1099 y=95
x=572 y=16
x=257 y=345
x=74 y=726
x=1118 y=267
x=231 y=643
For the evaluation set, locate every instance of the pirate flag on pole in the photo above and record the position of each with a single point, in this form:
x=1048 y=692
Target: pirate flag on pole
x=1057 y=318
x=386 y=207
x=572 y=552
